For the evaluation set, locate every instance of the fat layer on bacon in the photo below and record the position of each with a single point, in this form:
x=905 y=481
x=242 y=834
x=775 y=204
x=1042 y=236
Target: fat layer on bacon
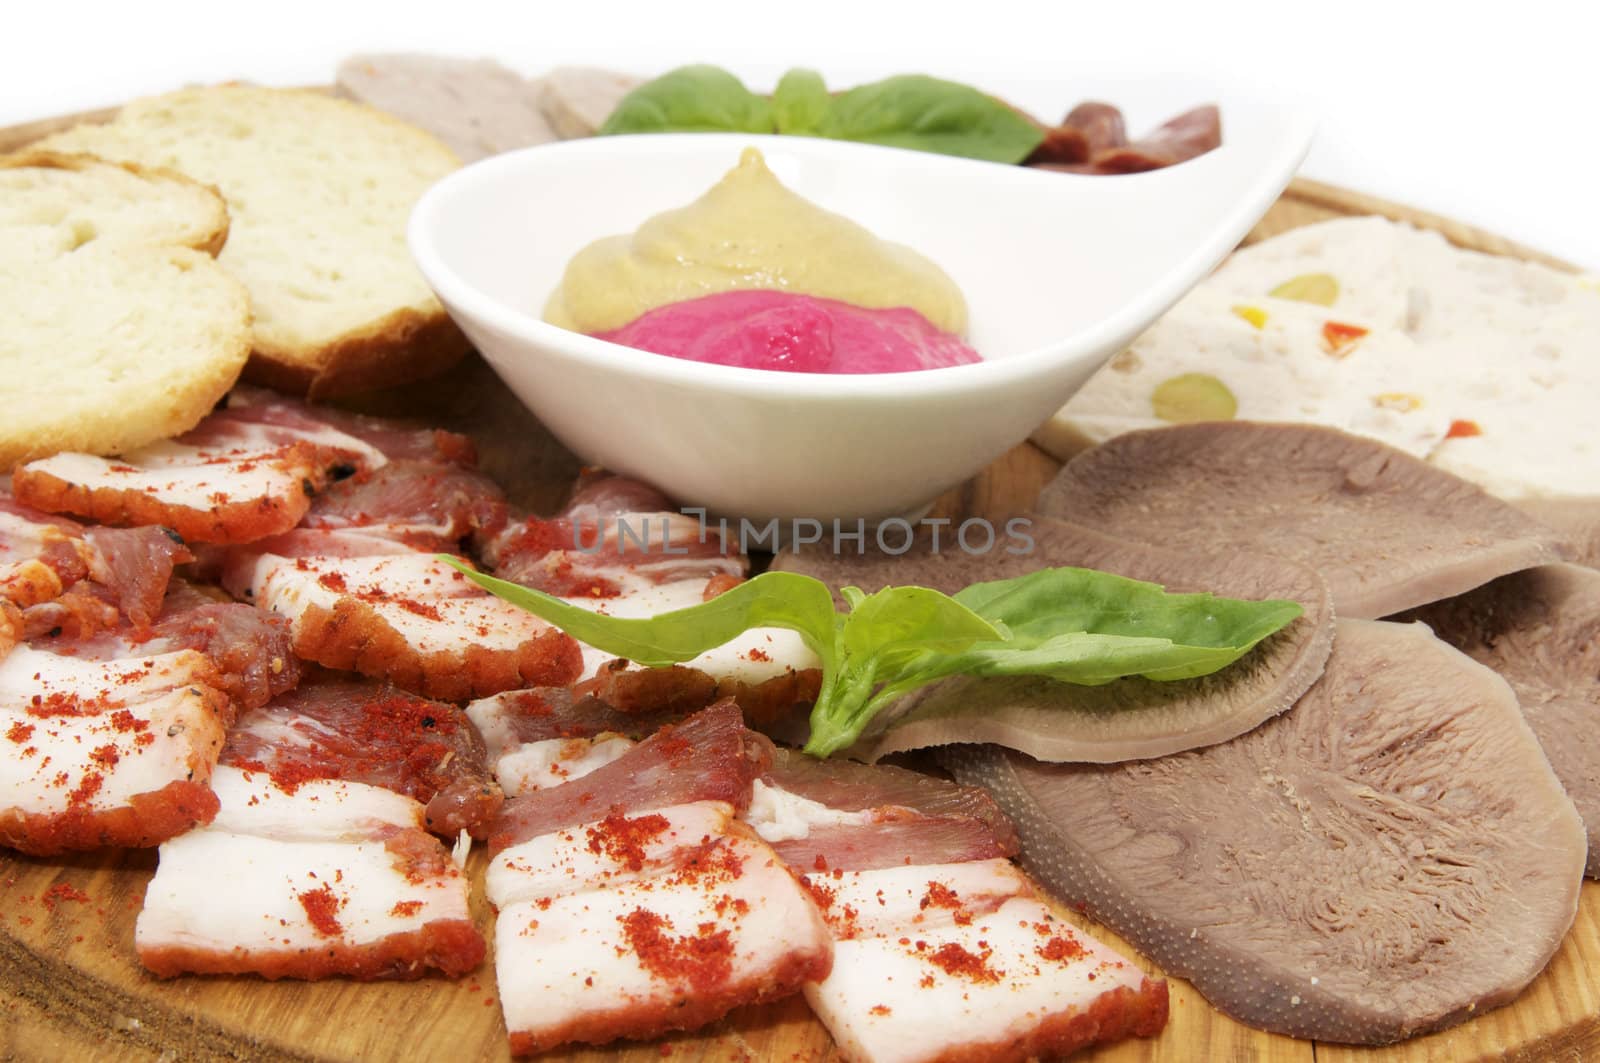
x=632 y=902
x=106 y=751
x=633 y=926
x=941 y=949
x=403 y=616
x=327 y=877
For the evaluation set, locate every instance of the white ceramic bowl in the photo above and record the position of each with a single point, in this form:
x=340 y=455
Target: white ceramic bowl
x=1060 y=271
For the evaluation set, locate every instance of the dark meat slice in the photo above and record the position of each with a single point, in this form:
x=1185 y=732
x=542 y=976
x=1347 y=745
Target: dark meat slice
x=373 y=734
x=249 y=647
x=682 y=690
x=1387 y=531
x=1391 y=857
x=545 y=713
x=1088 y=129
x=891 y=839
x=1540 y=629
x=708 y=757
x=1189 y=135
x=847 y=786
x=428 y=505
x=135 y=565
x=1123 y=720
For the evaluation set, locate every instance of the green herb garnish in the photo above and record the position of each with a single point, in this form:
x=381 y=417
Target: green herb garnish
x=1074 y=625
x=909 y=111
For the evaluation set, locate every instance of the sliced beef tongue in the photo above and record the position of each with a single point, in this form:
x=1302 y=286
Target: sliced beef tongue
x=1576 y=518
x=1391 y=857
x=1540 y=629
x=1129 y=718
x=1387 y=531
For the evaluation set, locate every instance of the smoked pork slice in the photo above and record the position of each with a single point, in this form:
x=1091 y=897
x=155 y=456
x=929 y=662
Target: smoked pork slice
x=1387 y=531
x=366 y=604
x=1123 y=720
x=641 y=923
x=428 y=505
x=1189 y=135
x=708 y=757
x=108 y=750
x=369 y=733
x=40 y=555
x=962 y=961
x=251 y=650
x=1540 y=630
x=327 y=878
x=837 y=814
x=393 y=440
x=1389 y=858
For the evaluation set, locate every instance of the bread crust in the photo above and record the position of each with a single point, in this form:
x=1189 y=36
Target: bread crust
x=399 y=348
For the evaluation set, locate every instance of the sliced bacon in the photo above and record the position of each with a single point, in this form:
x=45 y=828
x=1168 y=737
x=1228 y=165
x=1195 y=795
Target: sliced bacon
x=963 y=962
x=409 y=619
x=369 y=733
x=848 y=786
x=108 y=750
x=1180 y=139
x=331 y=878
x=395 y=440
x=708 y=757
x=245 y=472
x=637 y=924
x=682 y=689
x=429 y=505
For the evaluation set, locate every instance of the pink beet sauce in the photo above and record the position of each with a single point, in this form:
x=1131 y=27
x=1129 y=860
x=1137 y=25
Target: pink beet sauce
x=794 y=333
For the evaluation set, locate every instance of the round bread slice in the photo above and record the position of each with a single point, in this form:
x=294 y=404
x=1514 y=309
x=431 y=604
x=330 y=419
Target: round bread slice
x=319 y=190
x=79 y=198
x=117 y=328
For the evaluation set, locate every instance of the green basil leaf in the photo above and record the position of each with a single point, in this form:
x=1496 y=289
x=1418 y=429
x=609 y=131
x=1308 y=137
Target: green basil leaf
x=691 y=99
x=773 y=599
x=928 y=114
x=799 y=102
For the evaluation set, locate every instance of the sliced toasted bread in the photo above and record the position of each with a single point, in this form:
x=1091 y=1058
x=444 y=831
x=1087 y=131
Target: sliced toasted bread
x=319 y=190
x=117 y=328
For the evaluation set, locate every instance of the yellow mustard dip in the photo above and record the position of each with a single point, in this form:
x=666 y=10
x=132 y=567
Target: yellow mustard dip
x=748 y=231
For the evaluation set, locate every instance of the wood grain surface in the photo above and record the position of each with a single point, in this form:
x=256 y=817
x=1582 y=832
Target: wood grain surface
x=70 y=987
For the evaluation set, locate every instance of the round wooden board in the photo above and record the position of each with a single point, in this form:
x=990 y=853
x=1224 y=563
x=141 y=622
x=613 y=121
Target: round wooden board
x=70 y=987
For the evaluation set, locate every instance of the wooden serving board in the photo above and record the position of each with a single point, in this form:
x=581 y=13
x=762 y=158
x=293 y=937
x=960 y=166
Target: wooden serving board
x=70 y=987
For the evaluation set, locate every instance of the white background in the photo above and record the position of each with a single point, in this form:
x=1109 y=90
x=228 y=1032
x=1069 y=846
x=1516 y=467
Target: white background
x=1487 y=112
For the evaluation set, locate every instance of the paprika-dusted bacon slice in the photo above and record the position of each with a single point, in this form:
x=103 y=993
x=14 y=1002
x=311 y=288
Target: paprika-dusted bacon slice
x=632 y=926
x=401 y=616
x=373 y=734
x=708 y=757
x=327 y=877
x=964 y=962
x=243 y=473
x=110 y=750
